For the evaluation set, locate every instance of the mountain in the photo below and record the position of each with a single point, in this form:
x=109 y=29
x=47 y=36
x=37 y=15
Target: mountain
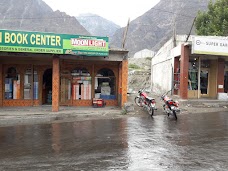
x=96 y=25
x=36 y=15
x=155 y=27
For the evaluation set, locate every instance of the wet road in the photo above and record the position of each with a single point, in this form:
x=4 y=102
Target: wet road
x=194 y=142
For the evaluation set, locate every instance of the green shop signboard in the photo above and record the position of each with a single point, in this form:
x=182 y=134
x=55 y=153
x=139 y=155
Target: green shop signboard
x=36 y=42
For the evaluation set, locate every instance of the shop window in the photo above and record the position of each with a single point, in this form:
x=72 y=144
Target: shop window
x=81 y=84
x=105 y=84
x=12 y=84
x=226 y=78
x=193 y=74
x=28 y=84
x=205 y=64
x=35 y=85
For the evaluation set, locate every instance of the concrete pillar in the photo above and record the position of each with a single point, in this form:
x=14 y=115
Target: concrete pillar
x=93 y=80
x=120 y=85
x=55 y=84
x=124 y=81
x=1 y=85
x=220 y=76
x=185 y=52
x=40 y=78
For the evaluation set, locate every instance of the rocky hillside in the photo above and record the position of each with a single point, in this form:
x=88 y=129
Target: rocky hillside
x=97 y=25
x=139 y=74
x=36 y=15
x=149 y=31
x=155 y=27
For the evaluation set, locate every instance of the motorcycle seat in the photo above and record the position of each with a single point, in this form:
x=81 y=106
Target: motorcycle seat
x=150 y=98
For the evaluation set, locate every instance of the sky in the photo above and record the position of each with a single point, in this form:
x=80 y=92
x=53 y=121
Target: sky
x=117 y=11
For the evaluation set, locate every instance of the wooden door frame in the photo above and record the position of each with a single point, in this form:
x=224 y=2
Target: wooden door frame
x=68 y=102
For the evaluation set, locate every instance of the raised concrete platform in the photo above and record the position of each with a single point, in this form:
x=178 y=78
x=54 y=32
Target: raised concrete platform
x=44 y=114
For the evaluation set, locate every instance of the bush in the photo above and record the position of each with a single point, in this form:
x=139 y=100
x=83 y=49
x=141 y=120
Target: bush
x=123 y=112
x=148 y=58
x=133 y=66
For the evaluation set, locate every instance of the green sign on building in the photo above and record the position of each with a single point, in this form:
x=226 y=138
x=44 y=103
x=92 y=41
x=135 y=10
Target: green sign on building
x=37 y=42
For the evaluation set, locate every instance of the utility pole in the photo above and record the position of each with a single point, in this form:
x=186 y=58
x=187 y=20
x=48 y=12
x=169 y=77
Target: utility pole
x=190 y=29
x=174 y=34
x=125 y=33
x=174 y=24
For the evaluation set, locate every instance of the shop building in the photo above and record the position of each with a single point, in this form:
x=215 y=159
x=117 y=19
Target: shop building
x=196 y=66
x=60 y=70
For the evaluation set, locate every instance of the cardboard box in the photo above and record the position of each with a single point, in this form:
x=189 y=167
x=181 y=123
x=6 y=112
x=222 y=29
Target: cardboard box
x=98 y=102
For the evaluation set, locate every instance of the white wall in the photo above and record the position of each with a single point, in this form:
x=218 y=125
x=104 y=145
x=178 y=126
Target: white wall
x=144 y=54
x=162 y=64
x=161 y=77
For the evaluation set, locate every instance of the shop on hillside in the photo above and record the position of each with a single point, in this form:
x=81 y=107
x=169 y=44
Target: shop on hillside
x=60 y=69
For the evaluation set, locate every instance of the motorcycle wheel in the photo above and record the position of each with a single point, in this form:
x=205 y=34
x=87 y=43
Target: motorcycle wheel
x=163 y=106
x=175 y=114
x=164 y=109
x=151 y=111
x=138 y=101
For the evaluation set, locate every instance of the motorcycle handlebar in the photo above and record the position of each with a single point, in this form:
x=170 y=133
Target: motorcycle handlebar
x=163 y=95
x=142 y=90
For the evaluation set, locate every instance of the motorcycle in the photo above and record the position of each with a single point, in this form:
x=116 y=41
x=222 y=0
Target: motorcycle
x=148 y=103
x=170 y=106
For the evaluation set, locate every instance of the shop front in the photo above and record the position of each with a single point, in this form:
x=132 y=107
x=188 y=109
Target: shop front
x=203 y=68
x=60 y=69
x=82 y=81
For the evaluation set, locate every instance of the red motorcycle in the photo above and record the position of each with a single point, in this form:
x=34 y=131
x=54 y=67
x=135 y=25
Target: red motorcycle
x=148 y=103
x=170 y=106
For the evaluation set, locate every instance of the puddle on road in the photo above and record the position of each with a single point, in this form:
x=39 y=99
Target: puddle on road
x=194 y=142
